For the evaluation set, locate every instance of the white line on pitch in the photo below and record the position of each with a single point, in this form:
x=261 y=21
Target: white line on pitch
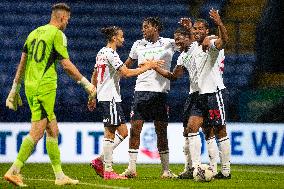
x=258 y=171
x=83 y=183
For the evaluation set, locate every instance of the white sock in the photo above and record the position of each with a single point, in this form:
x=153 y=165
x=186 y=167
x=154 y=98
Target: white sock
x=117 y=140
x=187 y=164
x=213 y=153
x=194 y=142
x=133 y=153
x=225 y=155
x=164 y=156
x=107 y=150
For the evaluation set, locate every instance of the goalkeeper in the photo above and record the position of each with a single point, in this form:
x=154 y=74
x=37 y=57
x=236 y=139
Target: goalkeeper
x=43 y=49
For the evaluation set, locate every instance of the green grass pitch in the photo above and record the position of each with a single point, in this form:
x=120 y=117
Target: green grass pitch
x=243 y=176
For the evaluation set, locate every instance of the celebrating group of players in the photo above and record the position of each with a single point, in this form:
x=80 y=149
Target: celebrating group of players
x=202 y=55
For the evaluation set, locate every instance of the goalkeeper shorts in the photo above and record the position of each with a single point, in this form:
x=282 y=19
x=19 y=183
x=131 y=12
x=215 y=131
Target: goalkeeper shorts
x=42 y=106
x=112 y=113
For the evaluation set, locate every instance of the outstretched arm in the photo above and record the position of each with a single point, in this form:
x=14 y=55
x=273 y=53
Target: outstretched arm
x=129 y=62
x=223 y=35
x=147 y=65
x=177 y=72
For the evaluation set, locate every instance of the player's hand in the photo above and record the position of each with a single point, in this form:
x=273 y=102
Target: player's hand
x=214 y=15
x=92 y=91
x=92 y=103
x=153 y=64
x=186 y=22
x=14 y=98
x=89 y=87
x=206 y=42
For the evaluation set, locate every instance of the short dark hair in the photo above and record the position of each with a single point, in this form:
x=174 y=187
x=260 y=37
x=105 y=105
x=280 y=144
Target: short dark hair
x=155 y=21
x=110 y=31
x=61 y=6
x=183 y=31
x=203 y=21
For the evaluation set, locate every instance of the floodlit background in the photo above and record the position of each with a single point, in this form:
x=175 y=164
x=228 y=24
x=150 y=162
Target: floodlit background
x=254 y=74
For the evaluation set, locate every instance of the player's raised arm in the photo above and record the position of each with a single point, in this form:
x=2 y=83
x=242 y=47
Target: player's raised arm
x=14 y=98
x=186 y=23
x=223 y=35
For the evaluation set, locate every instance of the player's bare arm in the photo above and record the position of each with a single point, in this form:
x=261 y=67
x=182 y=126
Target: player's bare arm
x=21 y=69
x=92 y=103
x=129 y=62
x=14 y=98
x=223 y=35
x=206 y=42
x=74 y=73
x=177 y=72
x=147 y=65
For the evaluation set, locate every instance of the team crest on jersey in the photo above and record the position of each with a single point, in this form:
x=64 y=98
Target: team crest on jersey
x=149 y=143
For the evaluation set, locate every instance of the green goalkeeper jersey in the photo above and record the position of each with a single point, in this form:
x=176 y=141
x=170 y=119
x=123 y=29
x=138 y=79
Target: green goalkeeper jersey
x=45 y=46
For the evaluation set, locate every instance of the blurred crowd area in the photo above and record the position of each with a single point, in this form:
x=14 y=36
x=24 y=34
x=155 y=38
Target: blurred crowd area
x=254 y=73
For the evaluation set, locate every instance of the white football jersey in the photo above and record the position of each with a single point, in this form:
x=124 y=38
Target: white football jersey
x=142 y=50
x=205 y=68
x=107 y=64
x=186 y=60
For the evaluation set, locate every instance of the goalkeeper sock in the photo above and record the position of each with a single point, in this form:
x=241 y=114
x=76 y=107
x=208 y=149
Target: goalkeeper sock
x=54 y=156
x=26 y=149
x=117 y=140
x=164 y=156
x=213 y=153
x=187 y=164
x=133 y=153
x=225 y=155
x=194 y=142
x=108 y=150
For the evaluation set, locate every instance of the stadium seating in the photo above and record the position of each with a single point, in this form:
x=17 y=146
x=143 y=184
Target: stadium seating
x=17 y=19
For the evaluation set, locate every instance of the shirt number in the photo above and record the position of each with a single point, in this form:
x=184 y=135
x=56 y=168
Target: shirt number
x=38 y=50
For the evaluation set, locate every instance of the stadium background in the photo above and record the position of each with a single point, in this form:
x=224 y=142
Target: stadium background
x=253 y=65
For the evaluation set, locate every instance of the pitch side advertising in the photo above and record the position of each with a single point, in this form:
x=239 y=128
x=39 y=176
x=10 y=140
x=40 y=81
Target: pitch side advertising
x=81 y=142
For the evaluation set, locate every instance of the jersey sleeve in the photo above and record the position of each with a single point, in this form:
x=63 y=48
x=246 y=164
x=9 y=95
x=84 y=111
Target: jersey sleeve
x=180 y=60
x=25 y=48
x=60 y=44
x=133 y=52
x=114 y=60
x=173 y=44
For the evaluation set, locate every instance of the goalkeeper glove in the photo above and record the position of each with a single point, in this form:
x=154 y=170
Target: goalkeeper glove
x=89 y=87
x=14 y=98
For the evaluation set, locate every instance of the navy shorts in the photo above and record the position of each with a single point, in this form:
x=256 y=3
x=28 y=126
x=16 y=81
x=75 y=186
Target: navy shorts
x=149 y=106
x=211 y=106
x=112 y=113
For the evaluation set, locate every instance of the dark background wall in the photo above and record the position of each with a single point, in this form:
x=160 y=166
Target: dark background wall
x=18 y=18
